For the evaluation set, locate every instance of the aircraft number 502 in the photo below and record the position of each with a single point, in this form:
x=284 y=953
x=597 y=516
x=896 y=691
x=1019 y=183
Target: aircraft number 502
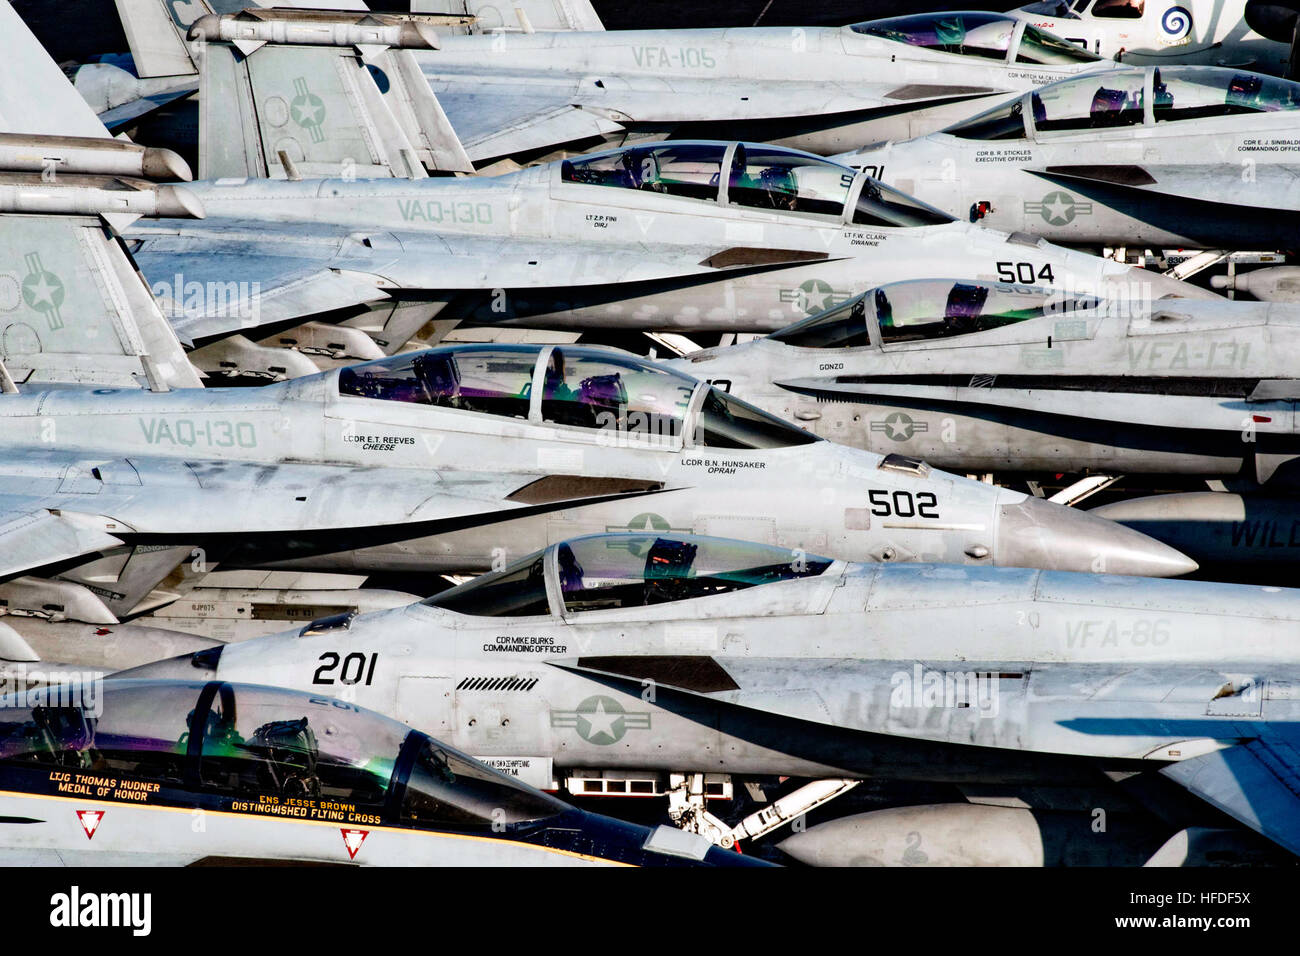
x=903 y=504
x=1024 y=272
x=354 y=667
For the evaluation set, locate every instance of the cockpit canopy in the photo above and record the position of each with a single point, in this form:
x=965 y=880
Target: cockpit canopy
x=571 y=386
x=626 y=570
x=758 y=176
x=1121 y=98
x=989 y=36
x=242 y=741
x=923 y=309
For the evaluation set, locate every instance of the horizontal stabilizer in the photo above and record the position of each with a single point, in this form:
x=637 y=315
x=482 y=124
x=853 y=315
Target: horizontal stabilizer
x=1255 y=783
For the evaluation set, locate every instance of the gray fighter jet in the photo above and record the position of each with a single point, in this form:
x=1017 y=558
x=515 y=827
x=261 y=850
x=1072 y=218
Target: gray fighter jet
x=1002 y=376
x=1172 y=156
x=119 y=773
x=524 y=96
x=687 y=235
x=679 y=654
x=445 y=460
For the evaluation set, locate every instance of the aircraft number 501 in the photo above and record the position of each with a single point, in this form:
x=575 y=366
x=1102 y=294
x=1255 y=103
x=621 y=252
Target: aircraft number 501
x=903 y=504
x=1024 y=272
x=354 y=667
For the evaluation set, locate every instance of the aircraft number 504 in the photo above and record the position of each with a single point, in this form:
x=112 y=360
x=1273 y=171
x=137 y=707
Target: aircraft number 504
x=1024 y=272
x=355 y=667
x=903 y=504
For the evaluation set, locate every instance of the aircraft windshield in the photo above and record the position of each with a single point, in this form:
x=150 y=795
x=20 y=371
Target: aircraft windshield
x=881 y=205
x=635 y=570
x=519 y=590
x=1181 y=93
x=477 y=378
x=1119 y=9
x=986 y=35
x=765 y=177
x=841 y=327
x=1039 y=46
x=727 y=422
x=1056 y=9
x=448 y=789
x=1093 y=101
x=693 y=170
x=930 y=309
x=1006 y=121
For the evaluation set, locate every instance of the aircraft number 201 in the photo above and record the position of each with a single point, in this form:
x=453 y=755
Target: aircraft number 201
x=1024 y=272
x=903 y=504
x=355 y=667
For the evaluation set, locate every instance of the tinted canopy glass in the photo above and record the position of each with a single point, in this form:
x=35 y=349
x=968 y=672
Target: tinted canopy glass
x=1092 y=101
x=986 y=35
x=593 y=389
x=632 y=570
x=519 y=590
x=765 y=177
x=447 y=789
x=727 y=422
x=929 y=308
x=676 y=169
x=1039 y=46
x=493 y=378
x=1119 y=9
x=247 y=740
x=1006 y=121
x=841 y=327
x=1180 y=93
x=881 y=205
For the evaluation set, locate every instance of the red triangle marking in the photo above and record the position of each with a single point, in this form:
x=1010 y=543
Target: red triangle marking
x=90 y=820
x=352 y=840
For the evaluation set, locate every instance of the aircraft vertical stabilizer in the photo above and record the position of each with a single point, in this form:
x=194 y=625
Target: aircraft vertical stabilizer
x=74 y=309
x=355 y=107
x=35 y=96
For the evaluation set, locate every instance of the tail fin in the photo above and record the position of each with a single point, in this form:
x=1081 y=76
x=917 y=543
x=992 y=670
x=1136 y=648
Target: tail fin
x=280 y=100
x=35 y=96
x=74 y=309
x=155 y=31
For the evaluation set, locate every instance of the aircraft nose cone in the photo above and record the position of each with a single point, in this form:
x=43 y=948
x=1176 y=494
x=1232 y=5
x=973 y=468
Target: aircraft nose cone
x=1035 y=533
x=199 y=665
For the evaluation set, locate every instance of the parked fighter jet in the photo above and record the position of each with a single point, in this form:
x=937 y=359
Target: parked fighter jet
x=1158 y=157
x=1249 y=34
x=546 y=95
x=96 y=774
x=526 y=445
x=687 y=236
x=666 y=652
x=1003 y=376
x=679 y=236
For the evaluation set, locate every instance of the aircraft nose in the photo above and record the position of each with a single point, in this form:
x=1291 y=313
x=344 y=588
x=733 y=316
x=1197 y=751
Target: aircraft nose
x=199 y=665
x=1034 y=533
